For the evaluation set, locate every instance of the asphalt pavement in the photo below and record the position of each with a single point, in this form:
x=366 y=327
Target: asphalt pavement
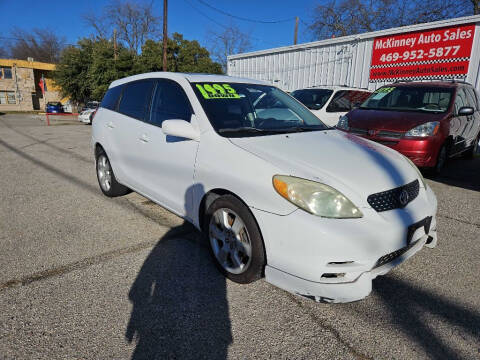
x=83 y=276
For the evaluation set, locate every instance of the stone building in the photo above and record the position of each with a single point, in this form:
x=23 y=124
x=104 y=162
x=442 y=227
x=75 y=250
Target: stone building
x=19 y=85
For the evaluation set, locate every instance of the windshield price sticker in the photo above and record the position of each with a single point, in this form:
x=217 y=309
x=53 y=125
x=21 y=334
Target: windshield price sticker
x=217 y=91
x=380 y=93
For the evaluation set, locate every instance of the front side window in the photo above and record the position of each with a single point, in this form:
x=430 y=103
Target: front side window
x=169 y=102
x=460 y=100
x=471 y=98
x=410 y=98
x=314 y=99
x=346 y=100
x=135 y=101
x=237 y=110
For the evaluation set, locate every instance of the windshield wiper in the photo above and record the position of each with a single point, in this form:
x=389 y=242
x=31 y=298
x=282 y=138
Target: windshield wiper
x=248 y=129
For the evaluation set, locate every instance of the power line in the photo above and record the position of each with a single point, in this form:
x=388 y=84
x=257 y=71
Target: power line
x=222 y=25
x=242 y=18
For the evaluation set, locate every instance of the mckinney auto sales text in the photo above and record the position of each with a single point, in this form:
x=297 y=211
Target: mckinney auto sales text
x=447 y=35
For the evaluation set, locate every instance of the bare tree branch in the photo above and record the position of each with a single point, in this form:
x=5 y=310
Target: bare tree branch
x=40 y=44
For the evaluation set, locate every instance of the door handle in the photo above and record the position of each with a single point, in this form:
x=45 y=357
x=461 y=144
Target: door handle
x=110 y=125
x=143 y=138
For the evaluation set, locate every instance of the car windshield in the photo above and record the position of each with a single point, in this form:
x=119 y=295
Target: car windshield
x=240 y=110
x=314 y=99
x=92 y=105
x=410 y=98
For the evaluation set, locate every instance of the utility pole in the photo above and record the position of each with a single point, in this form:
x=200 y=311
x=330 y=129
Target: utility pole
x=115 y=44
x=165 y=34
x=296 y=31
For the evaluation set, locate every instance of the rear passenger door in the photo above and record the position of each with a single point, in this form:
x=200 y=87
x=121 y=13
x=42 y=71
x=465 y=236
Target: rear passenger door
x=134 y=111
x=168 y=162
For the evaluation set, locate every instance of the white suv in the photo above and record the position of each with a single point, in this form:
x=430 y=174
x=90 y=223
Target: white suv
x=329 y=103
x=316 y=211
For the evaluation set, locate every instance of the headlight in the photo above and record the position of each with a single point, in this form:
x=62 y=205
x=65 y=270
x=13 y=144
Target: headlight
x=315 y=198
x=343 y=123
x=424 y=130
x=420 y=176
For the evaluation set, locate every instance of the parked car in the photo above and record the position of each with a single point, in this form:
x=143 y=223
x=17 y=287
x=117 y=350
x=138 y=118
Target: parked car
x=54 y=107
x=331 y=102
x=317 y=211
x=427 y=122
x=90 y=105
x=87 y=116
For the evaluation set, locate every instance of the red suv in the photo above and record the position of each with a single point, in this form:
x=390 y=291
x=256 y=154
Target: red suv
x=426 y=121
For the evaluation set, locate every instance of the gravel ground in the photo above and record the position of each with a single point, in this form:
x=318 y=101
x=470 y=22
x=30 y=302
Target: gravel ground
x=87 y=277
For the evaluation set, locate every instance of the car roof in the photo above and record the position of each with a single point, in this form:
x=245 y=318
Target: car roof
x=188 y=76
x=335 y=87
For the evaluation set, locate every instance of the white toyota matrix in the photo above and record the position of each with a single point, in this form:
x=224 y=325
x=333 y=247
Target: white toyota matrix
x=316 y=211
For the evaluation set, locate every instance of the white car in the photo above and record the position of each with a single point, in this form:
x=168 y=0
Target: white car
x=318 y=212
x=86 y=116
x=329 y=103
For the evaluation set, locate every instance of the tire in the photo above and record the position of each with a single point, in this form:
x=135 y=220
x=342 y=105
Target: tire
x=470 y=153
x=442 y=158
x=106 y=178
x=236 y=243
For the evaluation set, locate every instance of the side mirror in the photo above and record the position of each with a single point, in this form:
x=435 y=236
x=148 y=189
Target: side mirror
x=180 y=128
x=466 y=111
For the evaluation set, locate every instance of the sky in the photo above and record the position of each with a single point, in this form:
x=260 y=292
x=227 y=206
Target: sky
x=188 y=17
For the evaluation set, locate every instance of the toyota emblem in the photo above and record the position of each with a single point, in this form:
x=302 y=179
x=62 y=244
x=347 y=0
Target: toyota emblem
x=403 y=198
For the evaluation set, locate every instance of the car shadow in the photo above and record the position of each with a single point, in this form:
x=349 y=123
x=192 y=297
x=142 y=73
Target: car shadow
x=406 y=304
x=180 y=308
x=463 y=173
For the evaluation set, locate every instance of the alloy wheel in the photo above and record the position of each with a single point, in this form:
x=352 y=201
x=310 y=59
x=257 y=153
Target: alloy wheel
x=104 y=172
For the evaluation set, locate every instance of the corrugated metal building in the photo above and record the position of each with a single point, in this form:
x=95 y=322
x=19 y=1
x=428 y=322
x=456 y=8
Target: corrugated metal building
x=340 y=61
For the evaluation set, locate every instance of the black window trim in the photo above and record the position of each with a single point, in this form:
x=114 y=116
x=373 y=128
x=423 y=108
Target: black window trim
x=154 y=92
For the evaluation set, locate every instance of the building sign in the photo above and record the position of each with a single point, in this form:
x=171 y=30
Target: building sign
x=432 y=54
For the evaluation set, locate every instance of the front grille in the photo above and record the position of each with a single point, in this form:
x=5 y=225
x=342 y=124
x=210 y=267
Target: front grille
x=358 y=131
x=386 y=142
x=394 y=198
x=389 y=134
x=393 y=255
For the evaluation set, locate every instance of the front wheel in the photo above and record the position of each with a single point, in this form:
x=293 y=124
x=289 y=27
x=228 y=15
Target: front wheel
x=235 y=240
x=441 y=160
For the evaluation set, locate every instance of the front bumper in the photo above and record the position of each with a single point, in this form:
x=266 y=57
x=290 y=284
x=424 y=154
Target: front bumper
x=335 y=260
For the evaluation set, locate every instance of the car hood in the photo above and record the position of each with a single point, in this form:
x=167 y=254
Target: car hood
x=401 y=121
x=355 y=166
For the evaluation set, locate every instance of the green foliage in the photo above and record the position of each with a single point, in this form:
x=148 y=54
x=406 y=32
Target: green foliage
x=86 y=71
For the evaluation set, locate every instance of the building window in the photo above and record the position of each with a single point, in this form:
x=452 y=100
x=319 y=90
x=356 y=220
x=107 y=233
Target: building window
x=7 y=97
x=5 y=72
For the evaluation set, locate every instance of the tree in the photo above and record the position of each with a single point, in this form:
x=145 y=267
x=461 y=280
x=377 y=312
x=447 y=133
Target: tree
x=40 y=44
x=85 y=72
x=182 y=56
x=134 y=22
x=346 y=17
x=228 y=42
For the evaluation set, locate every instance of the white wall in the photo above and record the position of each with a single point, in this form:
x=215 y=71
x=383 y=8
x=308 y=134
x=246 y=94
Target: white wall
x=341 y=61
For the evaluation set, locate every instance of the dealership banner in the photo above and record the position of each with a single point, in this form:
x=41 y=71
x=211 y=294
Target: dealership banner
x=432 y=54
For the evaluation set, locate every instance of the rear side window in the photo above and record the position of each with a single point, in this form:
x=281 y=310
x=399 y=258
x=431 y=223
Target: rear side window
x=135 y=101
x=345 y=100
x=110 y=100
x=170 y=102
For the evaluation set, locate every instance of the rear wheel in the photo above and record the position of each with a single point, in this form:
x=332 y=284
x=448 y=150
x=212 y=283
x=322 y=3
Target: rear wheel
x=235 y=240
x=106 y=178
